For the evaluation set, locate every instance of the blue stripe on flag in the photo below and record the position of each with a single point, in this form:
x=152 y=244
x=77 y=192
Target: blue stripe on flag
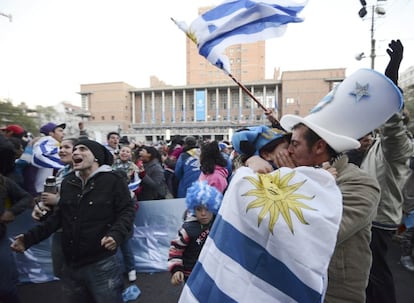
x=134 y=185
x=228 y=8
x=255 y=27
x=207 y=290
x=255 y=259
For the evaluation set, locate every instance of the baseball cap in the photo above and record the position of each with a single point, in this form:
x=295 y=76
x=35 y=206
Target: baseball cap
x=15 y=128
x=50 y=127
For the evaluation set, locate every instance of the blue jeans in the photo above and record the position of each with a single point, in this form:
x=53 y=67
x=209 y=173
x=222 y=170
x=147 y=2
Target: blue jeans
x=100 y=282
x=128 y=255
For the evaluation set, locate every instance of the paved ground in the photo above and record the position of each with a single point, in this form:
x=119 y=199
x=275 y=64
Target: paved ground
x=157 y=288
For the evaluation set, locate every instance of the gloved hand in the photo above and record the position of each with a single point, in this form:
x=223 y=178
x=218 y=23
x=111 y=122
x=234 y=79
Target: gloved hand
x=395 y=51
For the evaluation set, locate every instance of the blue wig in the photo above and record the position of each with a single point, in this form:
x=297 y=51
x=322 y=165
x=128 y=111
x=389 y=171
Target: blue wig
x=200 y=193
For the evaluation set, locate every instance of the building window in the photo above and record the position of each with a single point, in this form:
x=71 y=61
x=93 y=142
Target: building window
x=112 y=117
x=102 y=117
x=290 y=101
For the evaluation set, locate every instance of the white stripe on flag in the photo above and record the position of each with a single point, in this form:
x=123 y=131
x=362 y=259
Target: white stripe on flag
x=272 y=239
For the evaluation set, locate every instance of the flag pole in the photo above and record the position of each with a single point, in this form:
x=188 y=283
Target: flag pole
x=244 y=88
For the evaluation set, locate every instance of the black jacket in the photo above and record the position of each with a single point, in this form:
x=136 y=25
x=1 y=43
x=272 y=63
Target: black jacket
x=18 y=198
x=102 y=207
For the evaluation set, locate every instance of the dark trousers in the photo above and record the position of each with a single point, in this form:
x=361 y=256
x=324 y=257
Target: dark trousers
x=8 y=273
x=381 y=287
x=407 y=241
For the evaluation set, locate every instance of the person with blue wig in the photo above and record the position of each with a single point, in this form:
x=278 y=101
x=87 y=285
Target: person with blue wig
x=203 y=202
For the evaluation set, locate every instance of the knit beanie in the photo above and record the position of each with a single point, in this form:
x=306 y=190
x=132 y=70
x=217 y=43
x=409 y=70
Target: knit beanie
x=101 y=153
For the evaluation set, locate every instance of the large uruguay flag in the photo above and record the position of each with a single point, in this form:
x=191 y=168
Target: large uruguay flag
x=272 y=240
x=239 y=21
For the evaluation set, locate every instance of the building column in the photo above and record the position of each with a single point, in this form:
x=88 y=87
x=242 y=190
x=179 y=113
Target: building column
x=184 y=107
x=252 y=103
x=228 y=104
x=133 y=120
x=142 y=108
x=152 y=107
x=173 y=106
x=217 y=104
x=163 y=107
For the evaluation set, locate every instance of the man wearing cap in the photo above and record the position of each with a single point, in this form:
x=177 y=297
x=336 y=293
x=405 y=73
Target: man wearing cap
x=361 y=103
x=45 y=153
x=96 y=215
x=13 y=130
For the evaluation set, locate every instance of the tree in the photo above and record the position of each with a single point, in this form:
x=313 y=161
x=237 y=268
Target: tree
x=11 y=114
x=46 y=113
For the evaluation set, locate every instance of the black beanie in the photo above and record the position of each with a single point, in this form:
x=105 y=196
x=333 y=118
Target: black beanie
x=101 y=153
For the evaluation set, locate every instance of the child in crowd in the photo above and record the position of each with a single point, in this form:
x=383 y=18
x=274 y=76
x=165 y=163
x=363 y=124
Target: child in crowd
x=125 y=164
x=203 y=202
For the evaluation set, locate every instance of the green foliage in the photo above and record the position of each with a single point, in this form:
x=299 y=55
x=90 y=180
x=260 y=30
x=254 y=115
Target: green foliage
x=10 y=114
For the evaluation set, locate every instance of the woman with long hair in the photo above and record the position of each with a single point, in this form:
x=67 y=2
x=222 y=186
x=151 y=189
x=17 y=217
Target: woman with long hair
x=213 y=166
x=153 y=182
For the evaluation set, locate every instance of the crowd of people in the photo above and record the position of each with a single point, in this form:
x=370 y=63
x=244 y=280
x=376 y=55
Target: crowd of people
x=254 y=205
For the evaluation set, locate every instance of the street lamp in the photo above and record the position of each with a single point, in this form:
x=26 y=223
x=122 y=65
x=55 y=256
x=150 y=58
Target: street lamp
x=375 y=10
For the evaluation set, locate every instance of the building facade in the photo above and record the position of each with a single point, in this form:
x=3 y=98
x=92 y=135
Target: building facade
x=210 y=111
x=211 y=104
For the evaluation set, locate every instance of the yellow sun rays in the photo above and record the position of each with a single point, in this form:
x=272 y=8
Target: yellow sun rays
x=276 y=197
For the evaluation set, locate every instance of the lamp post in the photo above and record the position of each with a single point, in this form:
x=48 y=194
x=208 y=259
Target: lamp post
x=375 y=9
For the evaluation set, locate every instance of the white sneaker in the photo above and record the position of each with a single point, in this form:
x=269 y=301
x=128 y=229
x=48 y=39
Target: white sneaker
x=132 y=275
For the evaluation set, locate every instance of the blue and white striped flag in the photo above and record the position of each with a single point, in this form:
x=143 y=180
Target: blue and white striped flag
x=134 y=183
x=272 y=240
x=46 y=153
x=240 y=21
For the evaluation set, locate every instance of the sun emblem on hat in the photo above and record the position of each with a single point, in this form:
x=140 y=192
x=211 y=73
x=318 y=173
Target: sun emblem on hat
x=275 y=196
x=360 y=91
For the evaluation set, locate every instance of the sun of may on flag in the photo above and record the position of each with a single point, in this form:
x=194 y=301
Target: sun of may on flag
x=236 y=22
x=271 y=241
